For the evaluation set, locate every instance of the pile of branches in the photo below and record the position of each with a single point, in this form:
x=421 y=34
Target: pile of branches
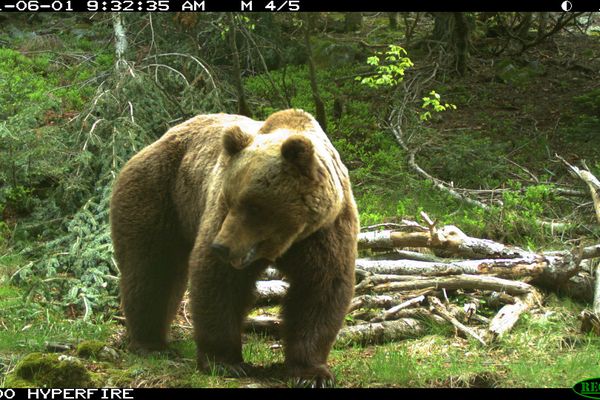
x=451 y=279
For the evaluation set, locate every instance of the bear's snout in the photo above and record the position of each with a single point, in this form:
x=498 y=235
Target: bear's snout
x=224 y=254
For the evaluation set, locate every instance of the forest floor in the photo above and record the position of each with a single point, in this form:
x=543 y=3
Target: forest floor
x=545 y=349
x=518 y=111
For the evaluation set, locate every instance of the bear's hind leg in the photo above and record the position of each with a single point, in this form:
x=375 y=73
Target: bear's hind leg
x=153 y=280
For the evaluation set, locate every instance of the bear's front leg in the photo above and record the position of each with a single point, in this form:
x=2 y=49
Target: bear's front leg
x=220 y=297
x=321 y=277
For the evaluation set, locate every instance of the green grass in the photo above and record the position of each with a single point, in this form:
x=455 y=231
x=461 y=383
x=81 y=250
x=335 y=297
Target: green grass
x=545 y=349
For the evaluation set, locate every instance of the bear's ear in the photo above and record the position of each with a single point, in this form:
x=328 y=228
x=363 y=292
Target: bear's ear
x=235 y=140
x=300 y=151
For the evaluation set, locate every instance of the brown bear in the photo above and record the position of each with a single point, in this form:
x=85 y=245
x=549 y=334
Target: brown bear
x=219 y=198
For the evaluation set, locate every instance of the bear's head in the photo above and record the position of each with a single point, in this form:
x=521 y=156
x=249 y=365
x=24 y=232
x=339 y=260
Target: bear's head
x=278 y=188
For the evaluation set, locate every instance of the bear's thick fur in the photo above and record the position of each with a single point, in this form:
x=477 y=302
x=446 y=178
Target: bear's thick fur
x=218 y=198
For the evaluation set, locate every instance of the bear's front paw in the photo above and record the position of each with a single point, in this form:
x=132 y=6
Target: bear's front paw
x=230 y=370
x=312 y=377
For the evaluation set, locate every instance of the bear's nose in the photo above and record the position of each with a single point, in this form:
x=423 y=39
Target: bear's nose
x=220 y=251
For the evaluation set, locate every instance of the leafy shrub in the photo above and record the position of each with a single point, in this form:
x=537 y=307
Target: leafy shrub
x=391 y=71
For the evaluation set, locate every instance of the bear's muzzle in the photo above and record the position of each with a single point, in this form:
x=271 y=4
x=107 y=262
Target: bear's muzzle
x=223 y=253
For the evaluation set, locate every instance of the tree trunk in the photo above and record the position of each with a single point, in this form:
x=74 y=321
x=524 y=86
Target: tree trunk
x=243 y=108
x=542 y=24
x=393 y=20
x=461 y=42
x=442 y=24
x=319 y=105
x=352 y=21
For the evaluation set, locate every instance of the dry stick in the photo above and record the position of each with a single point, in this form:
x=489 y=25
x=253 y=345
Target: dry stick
x=405 y=225
x=438 y=183
x=508 y=315
x=388 y=314
x=459 y=312
x=419 y=313
x=592 y=182
x=373 y=301
x=439 y=309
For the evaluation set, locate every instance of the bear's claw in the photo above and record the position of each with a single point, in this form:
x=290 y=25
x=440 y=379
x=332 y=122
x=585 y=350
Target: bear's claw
x=314 y=383
x=312 y=377
x=241 y=370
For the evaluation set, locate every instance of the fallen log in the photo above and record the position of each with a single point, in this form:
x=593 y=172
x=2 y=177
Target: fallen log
x=579 y=287
x=446 y=241
x=373 y=280
x=467 y=282
x=508 y=315
x=270 y=291
x=419 y=313
x=266 y=325
x=485 y=256
x=374 y=301
x=366 y=315
x=396 y=254
x=381 y=332
x=513 y=268
x=590 y=252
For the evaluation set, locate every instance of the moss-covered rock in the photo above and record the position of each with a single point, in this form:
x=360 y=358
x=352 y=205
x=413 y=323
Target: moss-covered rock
x=49 y=370
x=97 y=350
